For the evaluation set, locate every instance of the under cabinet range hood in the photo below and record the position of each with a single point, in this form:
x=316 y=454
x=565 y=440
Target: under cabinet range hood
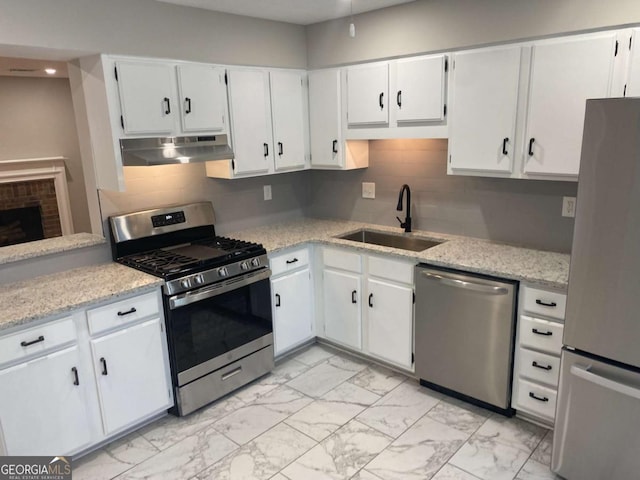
x=138 y=152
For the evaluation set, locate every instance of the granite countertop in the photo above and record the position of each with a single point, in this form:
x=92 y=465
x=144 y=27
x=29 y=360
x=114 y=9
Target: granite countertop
x=41 y=297
x=546 y=269
x=48 y=246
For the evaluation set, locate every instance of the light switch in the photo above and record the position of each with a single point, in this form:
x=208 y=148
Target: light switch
x=368 y=190
x=267 y=192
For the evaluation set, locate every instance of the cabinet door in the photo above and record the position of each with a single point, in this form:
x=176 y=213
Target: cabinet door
x=483 y=110
x=250 y=110
x=147 y=97
x=633 y=80
x=420 y=94
x=288 y=114
x=368 y=95
x=202 y=98
x=390 y=321
x=564 y=74
x=292 y=310
x=42 y=410
x=342 y=314
x=324 y=113
x=130 y=370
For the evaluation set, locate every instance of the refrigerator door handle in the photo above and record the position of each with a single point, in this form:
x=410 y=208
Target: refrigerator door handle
x=585 y=374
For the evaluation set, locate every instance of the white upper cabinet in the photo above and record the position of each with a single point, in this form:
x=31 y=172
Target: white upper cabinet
x=251 y=133
x=325 y=122
x=419 y=92
x=288 y=102
x=203 y=98
x=633 y=77
x=147 y=97
x=564 y=74
x=368 y=95
x=484 y=107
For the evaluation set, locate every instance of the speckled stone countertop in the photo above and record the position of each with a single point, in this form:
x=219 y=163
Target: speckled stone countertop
x=48 y=246
x=546 y=269
x=41 y=297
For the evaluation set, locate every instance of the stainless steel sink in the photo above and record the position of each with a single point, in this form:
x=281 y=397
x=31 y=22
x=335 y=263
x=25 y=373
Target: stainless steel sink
x=390 y=240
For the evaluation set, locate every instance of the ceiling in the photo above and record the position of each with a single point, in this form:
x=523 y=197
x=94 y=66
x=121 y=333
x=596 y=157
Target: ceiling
x=27 y=67
x=301 y=12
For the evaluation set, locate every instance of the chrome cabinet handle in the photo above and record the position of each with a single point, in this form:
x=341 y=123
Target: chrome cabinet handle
x=230 y=374
x=477 y=287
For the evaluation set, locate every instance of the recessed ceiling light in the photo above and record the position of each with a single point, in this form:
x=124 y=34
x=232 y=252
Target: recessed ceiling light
x=50 y=71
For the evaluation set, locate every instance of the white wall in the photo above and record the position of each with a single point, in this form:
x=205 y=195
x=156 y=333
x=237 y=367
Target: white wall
x=437 y=25
x=146 y=28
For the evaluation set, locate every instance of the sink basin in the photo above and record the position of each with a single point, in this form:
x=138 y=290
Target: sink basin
x=390 y=240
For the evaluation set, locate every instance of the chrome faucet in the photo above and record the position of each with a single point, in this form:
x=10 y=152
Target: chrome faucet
x=407 y=221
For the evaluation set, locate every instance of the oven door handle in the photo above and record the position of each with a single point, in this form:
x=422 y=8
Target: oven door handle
x=209 y=291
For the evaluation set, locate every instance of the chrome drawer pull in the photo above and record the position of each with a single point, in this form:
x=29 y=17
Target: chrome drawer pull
x=540 y=399
x=538 y=332
x=37 y=340
x=542 y=367
x=230 y=374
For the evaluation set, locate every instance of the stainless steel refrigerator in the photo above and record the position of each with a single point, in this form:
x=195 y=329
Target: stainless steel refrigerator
x=597 y=432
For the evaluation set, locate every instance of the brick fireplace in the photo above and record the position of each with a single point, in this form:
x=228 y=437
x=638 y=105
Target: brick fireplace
x=34 y=201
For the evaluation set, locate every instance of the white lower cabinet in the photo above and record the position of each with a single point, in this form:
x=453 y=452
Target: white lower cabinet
x=537 y=354
x=291 y=287
x=390 y=321
x=130 y=384
x=367 y=304
x=342 y=311
x=43 y=405
x=54 y=393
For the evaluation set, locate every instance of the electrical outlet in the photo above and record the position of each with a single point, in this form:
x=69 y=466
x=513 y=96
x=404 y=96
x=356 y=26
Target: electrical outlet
x=368 y=190
x=267 y=192
x=568 y=206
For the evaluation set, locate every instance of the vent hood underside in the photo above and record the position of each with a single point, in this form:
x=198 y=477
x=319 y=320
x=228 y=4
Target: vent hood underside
x=138 y=152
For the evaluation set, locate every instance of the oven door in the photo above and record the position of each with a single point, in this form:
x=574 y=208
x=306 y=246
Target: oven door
x=211 y=327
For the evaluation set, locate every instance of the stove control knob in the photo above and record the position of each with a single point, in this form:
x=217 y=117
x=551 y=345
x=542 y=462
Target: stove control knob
x=185 y=283
x=255 y=262
x=245 y=266
x=198 y=279
x=223 y=272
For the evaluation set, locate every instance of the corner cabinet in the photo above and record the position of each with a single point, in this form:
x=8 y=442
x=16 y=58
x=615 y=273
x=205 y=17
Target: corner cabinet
x=269 y=123
x=293 y=306
x=518 y=111
x=367 y=305
x=64 y=391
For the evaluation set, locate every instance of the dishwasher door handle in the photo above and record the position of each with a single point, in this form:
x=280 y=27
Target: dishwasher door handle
x=476 y=287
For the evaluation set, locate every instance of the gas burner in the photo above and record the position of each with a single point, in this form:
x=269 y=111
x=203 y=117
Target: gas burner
x=159 y=261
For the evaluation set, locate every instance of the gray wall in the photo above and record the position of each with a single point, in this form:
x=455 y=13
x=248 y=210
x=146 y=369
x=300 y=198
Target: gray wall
x=522 y=212
x=146 y=28
x=437 y=25
x=37 y=120
x=238 y=204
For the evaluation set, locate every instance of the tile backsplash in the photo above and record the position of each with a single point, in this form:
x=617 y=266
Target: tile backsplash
x=521 y=212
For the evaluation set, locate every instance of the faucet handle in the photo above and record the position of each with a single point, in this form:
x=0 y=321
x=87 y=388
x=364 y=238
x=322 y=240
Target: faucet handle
x=401 y=222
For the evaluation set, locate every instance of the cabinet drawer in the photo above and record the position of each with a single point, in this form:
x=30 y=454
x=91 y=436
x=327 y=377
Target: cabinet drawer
x=284 y=262
x=390 y=269
x=542 y=302
x=122 y=313
x=541 y=334
x=536 y=399
x=36 y=340
x=539 y=366
x=341 y=259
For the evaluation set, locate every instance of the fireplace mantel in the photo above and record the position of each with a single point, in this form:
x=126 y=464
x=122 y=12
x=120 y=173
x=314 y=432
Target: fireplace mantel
x=29 y=169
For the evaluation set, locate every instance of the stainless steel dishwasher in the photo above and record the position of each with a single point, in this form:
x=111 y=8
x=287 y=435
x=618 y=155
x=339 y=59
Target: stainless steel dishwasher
x=464 y=332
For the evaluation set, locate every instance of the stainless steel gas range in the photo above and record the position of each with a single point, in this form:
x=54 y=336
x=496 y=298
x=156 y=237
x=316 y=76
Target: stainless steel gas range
x=216 y=294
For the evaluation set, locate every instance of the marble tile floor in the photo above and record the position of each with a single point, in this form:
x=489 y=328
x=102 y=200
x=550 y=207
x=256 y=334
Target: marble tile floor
x=322 y=414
